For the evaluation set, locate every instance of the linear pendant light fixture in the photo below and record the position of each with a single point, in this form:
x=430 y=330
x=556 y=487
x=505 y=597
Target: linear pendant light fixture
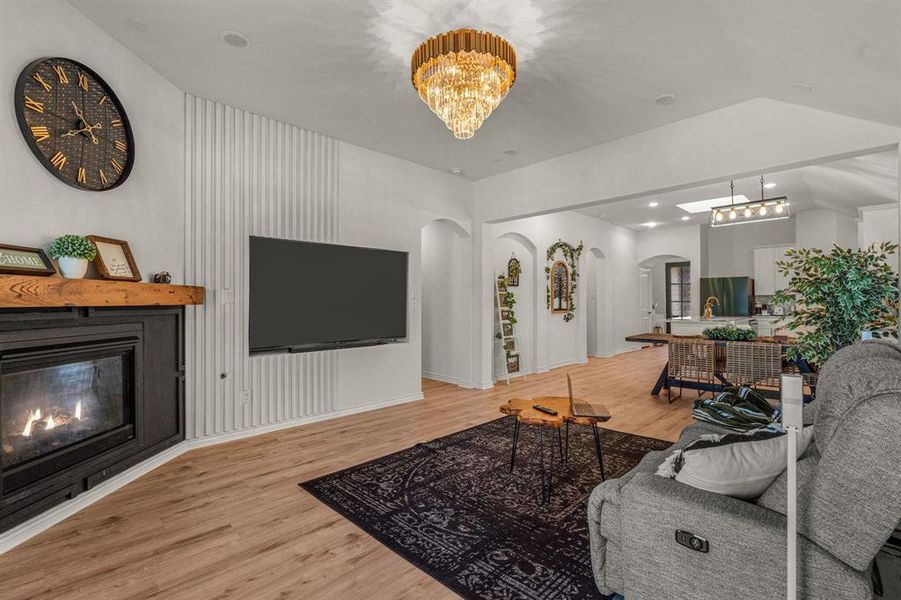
x=765 y=209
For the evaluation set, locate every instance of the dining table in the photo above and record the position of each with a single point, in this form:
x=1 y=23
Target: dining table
x=664 y=380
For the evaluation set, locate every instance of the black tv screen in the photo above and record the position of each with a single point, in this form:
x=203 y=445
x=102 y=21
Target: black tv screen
x=309 y=296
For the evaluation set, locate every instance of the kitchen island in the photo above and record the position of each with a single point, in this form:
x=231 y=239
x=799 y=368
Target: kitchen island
x=695 y=326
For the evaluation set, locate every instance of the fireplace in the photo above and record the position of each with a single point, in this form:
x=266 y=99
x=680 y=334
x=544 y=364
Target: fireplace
x=84 y=394
x=62 y=404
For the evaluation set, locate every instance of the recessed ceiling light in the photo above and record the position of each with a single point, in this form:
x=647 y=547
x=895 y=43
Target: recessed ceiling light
x=511 y=151
x=456 y=171
x=235 y=39
x=806 y=87
x=653 y=204
x=769 y=185
x=650 y=224
x=685 y=218
x=665 y=99
x=136 y=25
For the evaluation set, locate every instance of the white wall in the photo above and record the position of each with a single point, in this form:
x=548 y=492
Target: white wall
x=730 y=250
x=557 y=342
x=879 y=224
x=385 y=203
x=446 y=277
x=148 y=209
x=820 y=228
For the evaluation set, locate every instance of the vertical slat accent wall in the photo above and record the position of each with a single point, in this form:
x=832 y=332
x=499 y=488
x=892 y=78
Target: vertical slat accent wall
x=249 y=175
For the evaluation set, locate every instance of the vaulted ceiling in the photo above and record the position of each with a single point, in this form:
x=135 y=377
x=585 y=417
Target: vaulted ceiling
x=842 y=186
x=588 y=71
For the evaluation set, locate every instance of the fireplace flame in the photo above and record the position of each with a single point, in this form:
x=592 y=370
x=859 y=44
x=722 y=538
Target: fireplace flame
x=78 y=410
x=34 y=416
x=49 y=422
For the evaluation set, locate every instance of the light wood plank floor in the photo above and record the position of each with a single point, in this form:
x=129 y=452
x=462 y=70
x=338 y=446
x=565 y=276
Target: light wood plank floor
x=229 y=522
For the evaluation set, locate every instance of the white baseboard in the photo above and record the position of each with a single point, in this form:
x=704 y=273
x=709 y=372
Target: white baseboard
x=25 y=531
x=221 y=438
x=447 y=379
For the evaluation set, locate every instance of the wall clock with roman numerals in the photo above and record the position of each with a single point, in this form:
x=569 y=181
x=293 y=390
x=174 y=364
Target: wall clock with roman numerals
x=74 y=124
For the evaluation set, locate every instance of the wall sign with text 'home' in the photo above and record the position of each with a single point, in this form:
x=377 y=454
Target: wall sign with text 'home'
x=21 y=260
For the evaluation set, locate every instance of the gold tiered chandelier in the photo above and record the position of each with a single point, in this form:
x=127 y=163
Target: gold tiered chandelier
x=463 y=75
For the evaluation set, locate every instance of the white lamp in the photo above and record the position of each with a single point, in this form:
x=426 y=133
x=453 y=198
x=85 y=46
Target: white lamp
x=793 y=422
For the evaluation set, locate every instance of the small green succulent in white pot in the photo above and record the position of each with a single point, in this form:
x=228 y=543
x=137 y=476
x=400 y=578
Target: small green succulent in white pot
x=73 y=253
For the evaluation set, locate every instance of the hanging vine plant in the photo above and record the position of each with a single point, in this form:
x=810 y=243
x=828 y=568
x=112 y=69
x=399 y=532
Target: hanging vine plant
x=571 y=255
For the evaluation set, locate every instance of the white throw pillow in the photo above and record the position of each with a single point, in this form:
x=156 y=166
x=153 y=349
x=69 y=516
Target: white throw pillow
x=738 y=465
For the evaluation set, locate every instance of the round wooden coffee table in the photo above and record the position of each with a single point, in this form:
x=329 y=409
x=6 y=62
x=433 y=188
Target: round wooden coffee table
x=521 y=408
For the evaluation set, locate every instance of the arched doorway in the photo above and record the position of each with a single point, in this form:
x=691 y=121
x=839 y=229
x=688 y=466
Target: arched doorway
x=655 y=296
x=446 y=303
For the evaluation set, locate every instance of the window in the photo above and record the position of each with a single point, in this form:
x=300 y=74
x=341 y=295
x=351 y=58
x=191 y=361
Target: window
x=678 y=290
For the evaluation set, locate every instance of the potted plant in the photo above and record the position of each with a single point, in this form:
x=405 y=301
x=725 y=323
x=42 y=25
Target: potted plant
x=838 y=295
x=732 y=334
x=73 y=253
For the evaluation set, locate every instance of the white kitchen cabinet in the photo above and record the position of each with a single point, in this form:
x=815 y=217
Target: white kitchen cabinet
x=781 y=280
x=766 y=278
x=764 y=271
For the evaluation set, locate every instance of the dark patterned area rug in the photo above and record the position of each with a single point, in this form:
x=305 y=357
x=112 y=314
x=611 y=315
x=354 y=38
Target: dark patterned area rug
x=452 y=508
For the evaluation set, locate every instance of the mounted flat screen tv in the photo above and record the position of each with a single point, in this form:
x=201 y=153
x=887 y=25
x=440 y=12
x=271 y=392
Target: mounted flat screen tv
x=306 y=296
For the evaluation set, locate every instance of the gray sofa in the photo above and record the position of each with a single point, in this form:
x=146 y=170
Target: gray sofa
x=849 y=503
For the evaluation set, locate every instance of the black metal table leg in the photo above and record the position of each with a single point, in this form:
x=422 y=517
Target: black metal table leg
x=597 y=447
x=662 y=380
x=541 y=461
x=515 y=441
x=560 y=446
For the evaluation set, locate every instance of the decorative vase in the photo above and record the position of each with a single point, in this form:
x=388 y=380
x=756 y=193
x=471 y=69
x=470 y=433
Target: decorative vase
x=73 y=268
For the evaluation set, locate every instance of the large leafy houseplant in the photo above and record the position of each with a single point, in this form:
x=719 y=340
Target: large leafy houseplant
x=837 y=295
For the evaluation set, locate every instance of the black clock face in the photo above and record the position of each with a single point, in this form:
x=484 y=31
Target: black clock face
x=74 y=124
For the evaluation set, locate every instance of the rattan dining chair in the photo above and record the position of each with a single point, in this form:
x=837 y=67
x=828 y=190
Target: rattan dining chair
x=692 y=359
x=753 y=364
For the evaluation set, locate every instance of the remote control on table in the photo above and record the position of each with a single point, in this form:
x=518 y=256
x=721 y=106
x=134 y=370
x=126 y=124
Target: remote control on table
x=545 y=409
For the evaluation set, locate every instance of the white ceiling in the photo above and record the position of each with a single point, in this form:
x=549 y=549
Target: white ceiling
x=841 y=186
x=588 y=71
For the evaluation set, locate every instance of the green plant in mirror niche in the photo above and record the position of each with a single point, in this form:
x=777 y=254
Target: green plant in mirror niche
x=571 y=255
x=837 y=295
x=73 y=246
x=732 y=334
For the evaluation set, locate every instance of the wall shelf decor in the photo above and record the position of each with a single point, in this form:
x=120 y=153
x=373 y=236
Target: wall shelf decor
x=507 y=340
x=560 y=288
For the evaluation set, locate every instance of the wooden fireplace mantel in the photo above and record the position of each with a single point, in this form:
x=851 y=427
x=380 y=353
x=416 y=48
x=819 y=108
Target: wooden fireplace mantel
x=20 y=291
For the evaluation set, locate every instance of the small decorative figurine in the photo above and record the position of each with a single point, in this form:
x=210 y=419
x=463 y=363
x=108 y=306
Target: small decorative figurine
x=162 y=277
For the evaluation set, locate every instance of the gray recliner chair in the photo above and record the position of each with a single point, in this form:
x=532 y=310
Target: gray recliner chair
x=849 y=503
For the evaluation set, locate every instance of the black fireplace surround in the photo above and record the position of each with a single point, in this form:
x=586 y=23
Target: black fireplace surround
x=85 y=393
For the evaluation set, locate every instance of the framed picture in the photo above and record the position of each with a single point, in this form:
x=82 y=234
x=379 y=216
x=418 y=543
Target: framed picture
x=22 y=260
x=114 y=259
x=505 y=314
x=513 y=363
x=501 y=284
x=514 y=268
x=510 y=345
x=507 y=329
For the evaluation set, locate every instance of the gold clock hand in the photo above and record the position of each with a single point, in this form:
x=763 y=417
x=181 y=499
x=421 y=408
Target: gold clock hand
x=78 y=113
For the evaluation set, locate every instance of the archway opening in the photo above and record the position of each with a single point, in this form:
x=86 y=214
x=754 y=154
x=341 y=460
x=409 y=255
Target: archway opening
x=518 y=246
x=446 y=304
